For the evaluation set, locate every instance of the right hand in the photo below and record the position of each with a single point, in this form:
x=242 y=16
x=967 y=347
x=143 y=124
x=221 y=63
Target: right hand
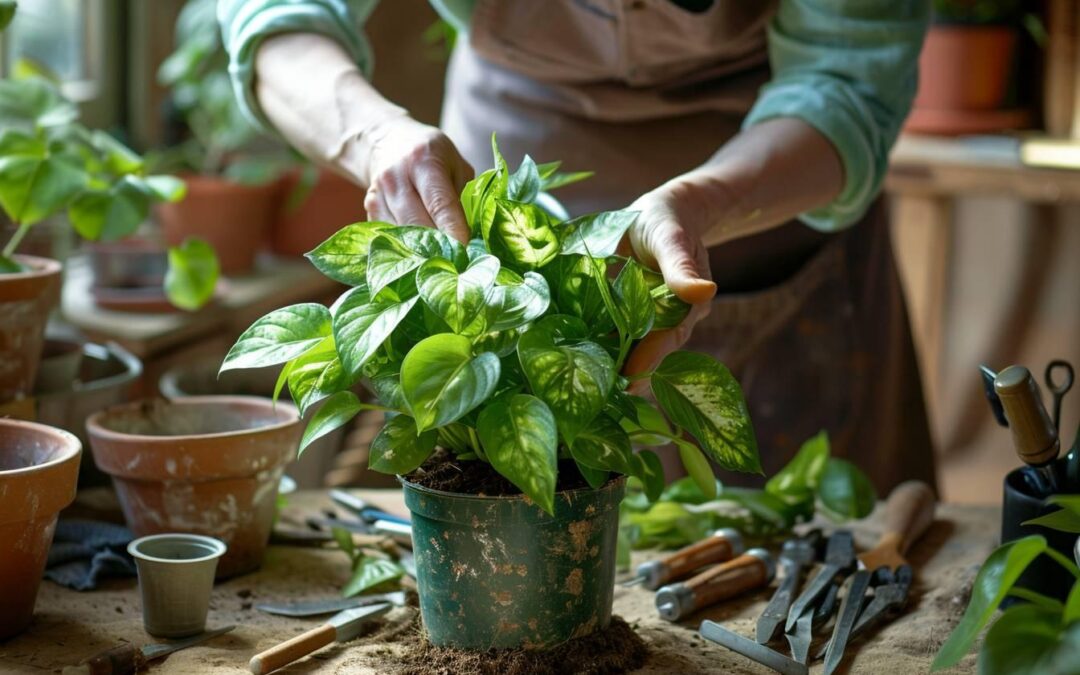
x=415 y=177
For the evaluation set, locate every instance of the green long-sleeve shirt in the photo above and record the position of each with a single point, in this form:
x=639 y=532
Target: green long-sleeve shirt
x=849 y=68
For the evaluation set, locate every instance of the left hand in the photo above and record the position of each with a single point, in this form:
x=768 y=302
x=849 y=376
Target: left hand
x=666 y=237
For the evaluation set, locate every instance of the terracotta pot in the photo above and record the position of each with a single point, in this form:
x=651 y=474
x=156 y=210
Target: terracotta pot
x=234 y=218
x=332 y=203
x=59 y=366
x=26 y=299
x=966 y=67
x=205 y=465
x=39 y=466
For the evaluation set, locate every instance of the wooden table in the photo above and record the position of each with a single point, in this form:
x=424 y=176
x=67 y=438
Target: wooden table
x=69 y=626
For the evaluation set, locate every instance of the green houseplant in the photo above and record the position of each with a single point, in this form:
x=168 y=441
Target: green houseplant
x=50 y=165
x=232 y=173
x=506 y=355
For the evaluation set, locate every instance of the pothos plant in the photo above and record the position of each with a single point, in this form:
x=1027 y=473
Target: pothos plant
x=49 y=163
x=506 y=351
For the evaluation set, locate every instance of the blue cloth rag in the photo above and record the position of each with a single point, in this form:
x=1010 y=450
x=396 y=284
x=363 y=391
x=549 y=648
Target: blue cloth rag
x=84 y=551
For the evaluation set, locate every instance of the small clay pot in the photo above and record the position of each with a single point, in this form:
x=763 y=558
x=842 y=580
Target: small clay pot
x=59 y=367
x=39 y=466
x=26 y=298
x=332 y=203
x=234 y=218
x=205 y=465
x=176 y=576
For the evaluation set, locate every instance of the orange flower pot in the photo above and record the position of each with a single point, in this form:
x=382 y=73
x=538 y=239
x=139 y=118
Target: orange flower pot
x=333 y=202
x=26 y=298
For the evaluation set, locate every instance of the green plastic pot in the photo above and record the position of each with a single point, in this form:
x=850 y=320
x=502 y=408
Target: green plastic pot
x=501 y=572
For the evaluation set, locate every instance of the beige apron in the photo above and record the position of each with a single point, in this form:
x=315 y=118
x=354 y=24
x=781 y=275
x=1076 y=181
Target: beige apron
x=640 y=91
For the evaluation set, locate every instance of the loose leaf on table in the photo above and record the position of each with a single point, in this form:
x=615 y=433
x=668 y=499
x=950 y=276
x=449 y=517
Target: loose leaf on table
x=1030 y=640
x=635 y=300
x=344 y=256
x=442 y=381
x=388 y=261
x=697 y=467
x=845 y=491
x=994 y=580
x=524 y=183
x=1065 y=519
x=315 y=375
x=334 y=413
x=603 y=445
x=520 y=440
x=521 y=235
x=280 y=336
x=369 y=572
x=597 y=234
x=361 y=325
x=458 y=298
x=573 y=379
x=798 y=480
x=699 y=394
x=192 y=275
x=398 y=448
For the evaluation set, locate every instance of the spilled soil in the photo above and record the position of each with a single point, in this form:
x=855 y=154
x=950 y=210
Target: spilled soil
x=443 y=472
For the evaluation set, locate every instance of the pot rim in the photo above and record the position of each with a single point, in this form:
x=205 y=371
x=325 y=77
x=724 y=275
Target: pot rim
x=70 y=446
x=40 y=267
x=102 y=352
x=612 y=484
x=219 y=547
x=95 y=428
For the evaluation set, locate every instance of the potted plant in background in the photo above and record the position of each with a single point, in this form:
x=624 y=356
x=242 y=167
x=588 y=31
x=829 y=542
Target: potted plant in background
x=968 y=66
x=505 y=355
x=234 y=191
x=49 y=164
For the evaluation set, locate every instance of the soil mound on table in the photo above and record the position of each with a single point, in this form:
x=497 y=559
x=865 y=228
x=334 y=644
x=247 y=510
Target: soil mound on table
x=443 y=472
x=616 y=649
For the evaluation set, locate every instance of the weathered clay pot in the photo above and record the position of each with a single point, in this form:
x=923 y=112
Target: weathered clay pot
x=234 y=218
x=205 y=465
x=39 y=466
x=332 y=203
x=59 y=366
x=26 y=299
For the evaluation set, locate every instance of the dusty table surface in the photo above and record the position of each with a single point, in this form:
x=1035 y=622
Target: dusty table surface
x=69 y=626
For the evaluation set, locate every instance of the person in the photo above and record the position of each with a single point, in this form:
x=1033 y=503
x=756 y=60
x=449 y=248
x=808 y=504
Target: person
x=752 y=138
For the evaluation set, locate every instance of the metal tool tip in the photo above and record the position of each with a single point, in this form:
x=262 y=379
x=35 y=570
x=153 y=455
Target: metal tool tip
x=667 y=611
x=632 y=582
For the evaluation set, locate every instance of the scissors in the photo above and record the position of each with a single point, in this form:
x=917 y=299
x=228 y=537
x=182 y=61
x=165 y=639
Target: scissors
x=1058 y=389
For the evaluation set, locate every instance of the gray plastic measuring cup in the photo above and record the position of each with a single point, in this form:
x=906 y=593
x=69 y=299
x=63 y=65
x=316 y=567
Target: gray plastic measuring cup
x=176 y=575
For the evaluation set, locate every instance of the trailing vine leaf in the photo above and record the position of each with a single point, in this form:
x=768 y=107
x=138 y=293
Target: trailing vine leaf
x=635 y=300
x=668 y=309
x=514 y=305
x=845 y=491
x=697 y=467
x=192 y=275
x=315 y=375
x=369 y=572
x=603 y=445
x=520 y=440
x=459 y=299
x=993 y=582
x=650 y=471
x=646 y=418
x=521 y=236
x=398 y=448
x=575 y=291
x=1065 y=519
x=280 y=336
x=441 y=380
x=344 y=256
x=699 y=394
x=333 y=414
x=1030 y=640
x=524 y=183
x=473 y=198
x=597 y=234
x=361 y=325
x=388 y=261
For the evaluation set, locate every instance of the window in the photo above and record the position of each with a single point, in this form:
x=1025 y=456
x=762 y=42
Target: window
x=66 y=37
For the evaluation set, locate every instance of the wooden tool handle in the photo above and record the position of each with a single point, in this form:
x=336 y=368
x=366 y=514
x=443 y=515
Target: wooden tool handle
x=908 y=512
x=728 y=580
x=292 y=650
x=705 y=552
x=122 y=660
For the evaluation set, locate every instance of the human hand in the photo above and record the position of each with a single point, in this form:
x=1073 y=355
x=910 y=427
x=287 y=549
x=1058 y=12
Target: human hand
x=666 y=237
x=415 y=175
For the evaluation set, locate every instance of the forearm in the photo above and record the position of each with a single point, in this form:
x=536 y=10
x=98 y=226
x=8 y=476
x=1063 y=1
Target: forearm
x=317 y=98
x=763 y=177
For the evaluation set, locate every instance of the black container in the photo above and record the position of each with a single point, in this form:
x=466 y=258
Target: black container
x=1043 y=574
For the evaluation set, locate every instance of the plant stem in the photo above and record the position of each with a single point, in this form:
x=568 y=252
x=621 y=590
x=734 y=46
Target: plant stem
x=1063 y=561
x=1036 y=598
x=639 y=376
x=16 y=239
x=475 y=441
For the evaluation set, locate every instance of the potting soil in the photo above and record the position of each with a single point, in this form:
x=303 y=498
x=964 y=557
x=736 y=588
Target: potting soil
x=444 y=472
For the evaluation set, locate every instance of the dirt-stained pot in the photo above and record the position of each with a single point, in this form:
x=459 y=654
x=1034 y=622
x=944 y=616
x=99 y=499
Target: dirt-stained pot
x=39 y=466
x=26 y=298
x=205 y=465
x=500 y=572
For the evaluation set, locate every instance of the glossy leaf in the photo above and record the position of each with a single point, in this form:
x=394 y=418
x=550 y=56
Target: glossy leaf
x=699 y=394
x=474 y=196
x=361 y=325
x=280 y=336
x=344 y=540
x=1072 y=605
x=575 y=292
x=798 y=480
x=388 y=261
x=647 y=418
x=1065 y=519
x=521 y=236
x=524 y=183
x=603 y=445
x=845 y=491
x=442 y=381
x=459 y=299
x=369 y=572
x=109 y=215
x=344 y=256
x=519 y=438
x=669 y=310
x=635 y=300
x=333 y=414
x=1030 y=640
x=994 y=580
x=398 y=448
x=597 y=234
x=650 y=472
x=697 y=467
x=36 y=186
x=518 y=304
x=559 y=179
x=427 y=242
x=316 y=374
x=192 y=274
x=34 y=103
